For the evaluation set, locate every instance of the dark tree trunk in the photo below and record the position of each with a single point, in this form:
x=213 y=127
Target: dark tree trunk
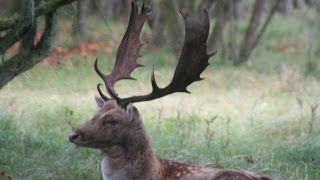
x=237 y=11
x=232 y=31
x=120 y=8
x=317 y=3
x=191 y=5
x=215 y=39
x=157 y=24
x=310 y=3
x=297 y=4
x=106 y=6
x=83 y=10
x=6 y=6
x=174 y=23
x=284 y=6
x=208 y=5
x=252 y=31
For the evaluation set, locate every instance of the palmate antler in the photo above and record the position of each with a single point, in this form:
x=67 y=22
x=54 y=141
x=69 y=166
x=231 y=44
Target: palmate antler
x=192 y=62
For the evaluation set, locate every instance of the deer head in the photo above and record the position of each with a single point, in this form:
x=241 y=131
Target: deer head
x=116 y=116
x=110 y=126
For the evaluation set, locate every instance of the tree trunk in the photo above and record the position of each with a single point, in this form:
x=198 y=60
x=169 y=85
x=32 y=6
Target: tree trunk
x=310 y=3
x=207 y=4
x=317 y=3
x=297 y=4
x=6 y=6
x=157 y=22
x=106 y=6
x=189 y=4
x=253 y=36
x=232 y=32
x=252 y=31
x=83 y=10
x=237 y=10
x=174 y=21
x=121 y=8
x=284 y=6
x=215 y=39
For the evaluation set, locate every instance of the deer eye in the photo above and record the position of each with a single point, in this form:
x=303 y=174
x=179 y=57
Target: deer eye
x=109 y=120
x=112 y=122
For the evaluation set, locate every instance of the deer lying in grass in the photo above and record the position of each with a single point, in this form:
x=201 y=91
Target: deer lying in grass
x=117 y=128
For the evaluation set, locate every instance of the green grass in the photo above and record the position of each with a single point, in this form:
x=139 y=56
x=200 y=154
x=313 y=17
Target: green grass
x=260 y=125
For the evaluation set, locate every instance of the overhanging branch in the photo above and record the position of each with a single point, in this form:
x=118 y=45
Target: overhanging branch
x=42 y=9
x=24 y=26
x=26 y=60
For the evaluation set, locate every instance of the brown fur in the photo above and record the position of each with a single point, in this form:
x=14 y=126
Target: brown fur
x=127 y=152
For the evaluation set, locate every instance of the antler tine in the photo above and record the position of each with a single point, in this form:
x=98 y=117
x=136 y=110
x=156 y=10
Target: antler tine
x=192 y=62
x=96 y=68
x=128 y=51
x=104 y=97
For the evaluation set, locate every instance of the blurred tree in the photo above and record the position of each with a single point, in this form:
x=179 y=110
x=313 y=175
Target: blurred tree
x=5 y=6
x=226 y=12
x=284 y=6
x=207 y=4
x=252 y=31
x=317 y=4
x=174 y=23
x=310 y=2
x=116 y=8
x=255 y=30
x=312 y=31
x=297 y=4
x=215 y=40
x=166 y=23
x=107 y=6
x=122 y=9
x=156 y=22
x=83 y=10
x=237 y=11
x=22 y=28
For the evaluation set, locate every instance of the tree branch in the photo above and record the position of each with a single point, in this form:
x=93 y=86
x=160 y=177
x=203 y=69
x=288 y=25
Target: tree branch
x=24 y=26
x=42 y=9
x=26 y=60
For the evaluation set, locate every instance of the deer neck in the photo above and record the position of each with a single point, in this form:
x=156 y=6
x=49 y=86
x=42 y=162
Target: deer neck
x=134 y=159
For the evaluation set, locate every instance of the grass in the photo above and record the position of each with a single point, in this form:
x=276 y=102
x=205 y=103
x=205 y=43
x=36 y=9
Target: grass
x=262 y=113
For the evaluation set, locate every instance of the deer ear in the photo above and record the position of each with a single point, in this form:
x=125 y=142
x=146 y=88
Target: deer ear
x=99 y=101
x=132 y=113
x=129 y=112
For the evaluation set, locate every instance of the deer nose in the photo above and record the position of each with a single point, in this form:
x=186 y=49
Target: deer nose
x=73 y=136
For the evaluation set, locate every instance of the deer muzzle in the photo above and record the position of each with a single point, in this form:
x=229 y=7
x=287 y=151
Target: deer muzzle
x=73 y=136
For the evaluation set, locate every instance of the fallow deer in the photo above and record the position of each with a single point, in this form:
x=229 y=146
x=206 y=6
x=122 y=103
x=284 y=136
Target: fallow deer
x=117 y=128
